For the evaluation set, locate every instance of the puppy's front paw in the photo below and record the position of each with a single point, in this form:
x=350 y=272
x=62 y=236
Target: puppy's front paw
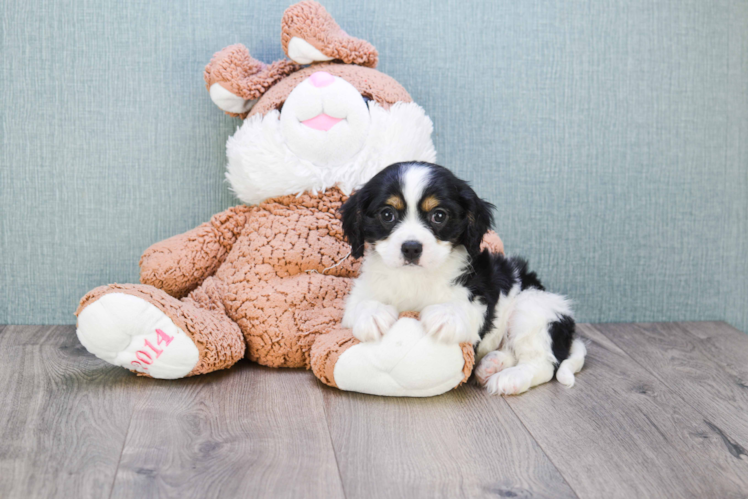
x=373 y=319
x=447 y=323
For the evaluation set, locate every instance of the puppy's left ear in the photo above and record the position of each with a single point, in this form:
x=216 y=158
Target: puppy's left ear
x=353 y=223
x=479 y=216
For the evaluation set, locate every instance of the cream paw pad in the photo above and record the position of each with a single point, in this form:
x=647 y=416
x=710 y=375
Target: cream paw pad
x=130 y=332
x=404 y=362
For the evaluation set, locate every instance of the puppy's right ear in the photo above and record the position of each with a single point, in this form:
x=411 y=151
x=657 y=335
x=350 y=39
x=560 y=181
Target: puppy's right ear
x=353 y=223
x=479 y=220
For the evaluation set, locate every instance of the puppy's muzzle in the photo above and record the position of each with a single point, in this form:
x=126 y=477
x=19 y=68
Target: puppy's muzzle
x=412 y=251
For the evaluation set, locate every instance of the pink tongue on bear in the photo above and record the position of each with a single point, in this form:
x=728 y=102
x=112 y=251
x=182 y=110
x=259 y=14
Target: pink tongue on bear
x=322 y=122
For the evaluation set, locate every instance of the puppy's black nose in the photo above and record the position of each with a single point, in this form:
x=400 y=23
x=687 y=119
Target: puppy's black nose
x=412 y=251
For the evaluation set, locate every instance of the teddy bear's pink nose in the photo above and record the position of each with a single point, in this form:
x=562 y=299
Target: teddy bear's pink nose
x=321 y=79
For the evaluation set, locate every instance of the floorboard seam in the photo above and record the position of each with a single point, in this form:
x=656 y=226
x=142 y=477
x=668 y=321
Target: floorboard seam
x=663 y=382
x=541 y=447
x=329 y=436
x=122 y=451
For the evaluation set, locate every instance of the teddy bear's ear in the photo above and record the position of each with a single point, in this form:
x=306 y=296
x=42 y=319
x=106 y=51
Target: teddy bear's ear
x=235 y=80
x=309 y=34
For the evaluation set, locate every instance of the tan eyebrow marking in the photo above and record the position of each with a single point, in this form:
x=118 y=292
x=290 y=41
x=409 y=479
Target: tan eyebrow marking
x=395 y=202
x=429 y=203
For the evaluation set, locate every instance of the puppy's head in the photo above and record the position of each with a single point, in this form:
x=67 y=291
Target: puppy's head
x=415 y=214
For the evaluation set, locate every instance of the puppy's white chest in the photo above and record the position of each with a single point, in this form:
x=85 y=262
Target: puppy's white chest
x=413 y=289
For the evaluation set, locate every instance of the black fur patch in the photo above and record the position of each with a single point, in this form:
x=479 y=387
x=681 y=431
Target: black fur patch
x=492 y=275
x=469 y=217
x=562 y=335
x=361 y=212
x=528 y=279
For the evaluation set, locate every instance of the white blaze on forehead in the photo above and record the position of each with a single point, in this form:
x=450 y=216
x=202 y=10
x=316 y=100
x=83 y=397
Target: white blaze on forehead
x=414 y=181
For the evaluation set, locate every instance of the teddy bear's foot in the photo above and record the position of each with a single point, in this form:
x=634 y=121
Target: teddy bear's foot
x=144 y=329
x=128 y=331
x=405 y=362
x=235 y=80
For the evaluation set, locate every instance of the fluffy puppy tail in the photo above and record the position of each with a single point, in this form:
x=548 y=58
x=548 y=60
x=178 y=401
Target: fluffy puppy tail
x=572 y=364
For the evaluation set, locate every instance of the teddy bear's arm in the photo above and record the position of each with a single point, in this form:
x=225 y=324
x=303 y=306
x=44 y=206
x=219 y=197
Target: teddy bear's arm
x=179 y=264
x=492 y=242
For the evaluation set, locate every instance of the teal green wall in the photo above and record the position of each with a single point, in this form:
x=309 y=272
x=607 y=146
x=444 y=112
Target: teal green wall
x=612 y=136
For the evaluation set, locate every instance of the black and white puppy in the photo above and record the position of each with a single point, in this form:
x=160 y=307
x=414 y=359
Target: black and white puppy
x=420 y=229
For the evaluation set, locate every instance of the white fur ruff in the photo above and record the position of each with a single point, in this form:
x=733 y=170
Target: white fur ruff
x=446 y=310
x=261 y=165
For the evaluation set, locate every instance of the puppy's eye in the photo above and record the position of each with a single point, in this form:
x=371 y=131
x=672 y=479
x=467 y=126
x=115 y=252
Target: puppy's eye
x=387 y=215
x=438 y=216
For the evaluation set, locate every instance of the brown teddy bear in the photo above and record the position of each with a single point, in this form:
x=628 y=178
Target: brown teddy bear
x=268 y=279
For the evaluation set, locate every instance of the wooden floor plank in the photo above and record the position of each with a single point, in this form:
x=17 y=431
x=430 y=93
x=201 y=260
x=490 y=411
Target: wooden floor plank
x=36 y=335
x=659 y=410
x=245 y=432
x=621 y=432
x=461 y=444
x=706 y=364
x=63 y=415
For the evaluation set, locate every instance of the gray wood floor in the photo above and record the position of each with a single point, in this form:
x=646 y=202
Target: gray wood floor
x=660 y=410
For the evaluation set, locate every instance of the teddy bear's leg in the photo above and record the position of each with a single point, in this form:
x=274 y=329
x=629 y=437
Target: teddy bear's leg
x=235 y=80
x=294 y=322
x=144 y=329
x=405 y=362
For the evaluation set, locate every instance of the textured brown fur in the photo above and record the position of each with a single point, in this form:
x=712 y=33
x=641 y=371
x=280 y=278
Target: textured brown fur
x=326 y=351
x=271 y=277
x=269 y=281
x=310 y=21
x=179 y=264
x=239 y=73
x=469 y=354
x=369 y=82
